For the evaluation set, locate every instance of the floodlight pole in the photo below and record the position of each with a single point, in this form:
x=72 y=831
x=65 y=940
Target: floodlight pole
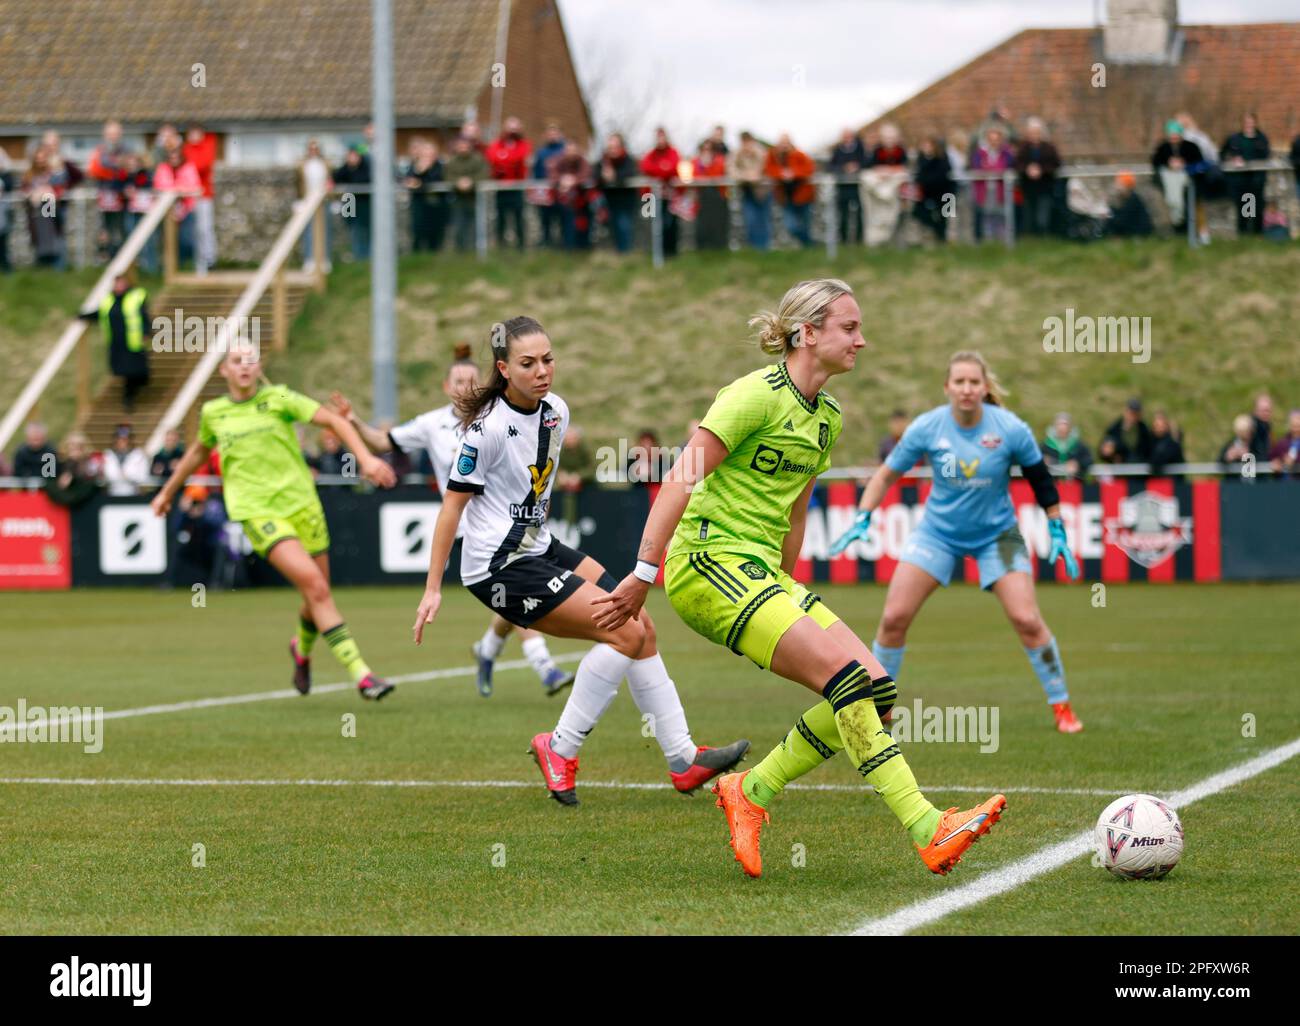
x=383 y=250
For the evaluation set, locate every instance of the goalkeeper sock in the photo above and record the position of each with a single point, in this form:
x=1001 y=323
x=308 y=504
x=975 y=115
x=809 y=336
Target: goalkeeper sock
x=345 y=650
x=307 y=635
x=491 y=644
x=890 y=658
x=811 y=741
x=875 y=753
x=1046 y=662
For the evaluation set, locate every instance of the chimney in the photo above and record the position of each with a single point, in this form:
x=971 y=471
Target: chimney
x=1141 y=31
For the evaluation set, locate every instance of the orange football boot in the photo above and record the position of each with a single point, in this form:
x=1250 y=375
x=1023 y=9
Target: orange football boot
x=958 y=831
x=1066 y=721
x=744 y=819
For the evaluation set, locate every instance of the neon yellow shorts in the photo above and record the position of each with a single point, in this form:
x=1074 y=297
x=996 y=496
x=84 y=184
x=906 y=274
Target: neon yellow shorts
x=737 y=601
x=307 y=525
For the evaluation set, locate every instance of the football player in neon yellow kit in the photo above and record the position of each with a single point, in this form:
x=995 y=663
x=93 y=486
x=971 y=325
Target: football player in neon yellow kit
x=734 y=507
x=268 y=488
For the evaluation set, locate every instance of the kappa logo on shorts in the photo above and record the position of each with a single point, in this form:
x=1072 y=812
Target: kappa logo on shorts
x=766 y=460
x=468 y=460
x=530 y=604
x=753 y=571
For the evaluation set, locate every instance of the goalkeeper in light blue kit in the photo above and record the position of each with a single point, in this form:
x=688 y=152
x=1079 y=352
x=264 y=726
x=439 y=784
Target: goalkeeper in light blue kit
x=971 y=443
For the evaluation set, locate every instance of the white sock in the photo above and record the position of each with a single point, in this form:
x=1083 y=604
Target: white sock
x=536 y=652
x=491 y=644
x=655 y=695
x=599 y=675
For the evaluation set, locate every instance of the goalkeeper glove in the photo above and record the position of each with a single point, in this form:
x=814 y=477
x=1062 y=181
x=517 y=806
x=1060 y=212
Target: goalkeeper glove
x=857 y=530
x=1060 y=550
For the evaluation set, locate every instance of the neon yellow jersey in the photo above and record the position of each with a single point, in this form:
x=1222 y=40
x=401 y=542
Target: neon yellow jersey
x=777 y=441
x=262 y=469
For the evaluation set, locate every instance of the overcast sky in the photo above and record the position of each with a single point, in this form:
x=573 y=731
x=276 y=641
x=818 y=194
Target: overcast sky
x=810 y=66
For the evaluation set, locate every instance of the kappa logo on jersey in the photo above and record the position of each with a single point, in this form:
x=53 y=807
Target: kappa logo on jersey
x=550 y=419
x=468 y=460
x=823 y=434
x=477 y=427
x=990 y=441
x=540 y=477
x=753 y=571
x=512 y=432
x=969 y=468
x=766 y=460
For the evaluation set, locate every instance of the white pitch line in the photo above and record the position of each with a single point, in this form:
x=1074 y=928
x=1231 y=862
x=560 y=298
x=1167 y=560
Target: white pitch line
x=262 y=696
x=618 y=785
x=1009 y=877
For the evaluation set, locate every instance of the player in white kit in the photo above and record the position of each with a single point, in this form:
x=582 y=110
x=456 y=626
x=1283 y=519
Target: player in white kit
x=500 y=484
x=438 y=433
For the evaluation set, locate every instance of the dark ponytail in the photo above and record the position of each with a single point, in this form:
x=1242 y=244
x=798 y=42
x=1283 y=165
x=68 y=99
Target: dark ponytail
x=480 y=400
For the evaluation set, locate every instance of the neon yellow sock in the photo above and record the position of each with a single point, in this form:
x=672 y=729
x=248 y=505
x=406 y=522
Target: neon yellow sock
x=307 y=635
x=875 y=753
x=346 y=651
x=811 y=741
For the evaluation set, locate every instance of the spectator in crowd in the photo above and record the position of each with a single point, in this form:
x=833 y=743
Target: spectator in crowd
x=313 y=174
x=1129 y=217
x=791 y=171
x=1166 y=443
x=123 y=317
x=165 y=140
x=577 y=464
x=897 y=425
x=508 y=158
x=1128 y=439
x=1176 y=161
x=617 y=168
x=848 y=158
x=1295 y=163
x=713 y=227
x=718 y=137
x=428 y=209
x=749 y=168
x=200 y=149
x=471 y=132
x=6 y=187
x=77 y=476
x=958 y=153
x=999 y=118
x=661 y=163
x=124 y=465
x=137 y=195
x=548 y=216
x=44 y=186
x=64 y=176
x=1284 y=456
x=1238 y=447
x=937 y=191
x=355 y=171
x=1261 y=415
x=1037 y=162
x=165 y=459
x=990 y=196
x=465 y=169
x=882 y=185
x=1062 y=447
x=1210 y=179
x=1246 y=187
x=200 y=521
x=35 y=457
x=178 y=175
x=333 y=458
x=108 y=168
x=643 y=462
x=571 y=184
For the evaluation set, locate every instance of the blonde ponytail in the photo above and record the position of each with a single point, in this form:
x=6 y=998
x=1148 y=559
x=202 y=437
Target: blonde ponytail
x=777 y=333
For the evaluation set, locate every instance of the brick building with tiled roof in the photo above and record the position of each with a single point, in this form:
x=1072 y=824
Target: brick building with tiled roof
x=265 y=74
x=1151 y=67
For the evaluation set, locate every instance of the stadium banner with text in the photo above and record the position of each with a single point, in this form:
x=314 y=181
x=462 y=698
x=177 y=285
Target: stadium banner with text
x=1126 y=529
x=35 y=542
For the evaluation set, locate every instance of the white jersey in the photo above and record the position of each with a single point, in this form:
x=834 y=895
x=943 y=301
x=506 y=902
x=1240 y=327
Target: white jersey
x=508 y=458
x=438 y=433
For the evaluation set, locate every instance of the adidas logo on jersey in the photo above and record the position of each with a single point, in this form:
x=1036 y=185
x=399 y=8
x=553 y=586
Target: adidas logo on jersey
x=788 y=425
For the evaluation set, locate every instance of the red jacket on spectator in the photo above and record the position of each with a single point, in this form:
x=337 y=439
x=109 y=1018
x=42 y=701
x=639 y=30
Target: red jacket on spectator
x=888 y=156
x=508 y=158
x=798 y=190
x=661 y=163
x=203 y=155
x=184 y=178
x=110 y=178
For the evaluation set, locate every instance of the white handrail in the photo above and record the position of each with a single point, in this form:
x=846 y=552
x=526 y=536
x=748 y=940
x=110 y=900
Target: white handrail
x=284 y=244
x=72 y=333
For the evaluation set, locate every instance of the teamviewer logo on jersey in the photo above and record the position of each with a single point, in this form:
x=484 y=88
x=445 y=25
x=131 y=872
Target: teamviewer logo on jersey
x=766 y=460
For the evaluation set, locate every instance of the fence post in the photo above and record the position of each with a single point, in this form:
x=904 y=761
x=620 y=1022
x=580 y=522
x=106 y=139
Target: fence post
x=83 y=376
x=1009 y=207
x=480 y=222
x=169 y=248
x=1189 y=215
x=830 y=217
x=319 y=246
x=657 y=226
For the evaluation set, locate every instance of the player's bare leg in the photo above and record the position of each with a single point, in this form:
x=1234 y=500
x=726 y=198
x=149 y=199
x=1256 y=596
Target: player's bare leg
x=909 y=587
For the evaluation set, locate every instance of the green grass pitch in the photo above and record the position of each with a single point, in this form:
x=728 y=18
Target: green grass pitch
x=1162 y=677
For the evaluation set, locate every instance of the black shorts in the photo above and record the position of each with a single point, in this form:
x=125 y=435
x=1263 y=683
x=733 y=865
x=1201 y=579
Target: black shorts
x=526 y=590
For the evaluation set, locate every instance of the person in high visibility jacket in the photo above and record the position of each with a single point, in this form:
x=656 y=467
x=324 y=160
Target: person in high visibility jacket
x=123 y=317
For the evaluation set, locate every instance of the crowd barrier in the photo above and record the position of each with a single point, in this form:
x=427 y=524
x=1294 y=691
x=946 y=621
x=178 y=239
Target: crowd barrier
x=1156 y=529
